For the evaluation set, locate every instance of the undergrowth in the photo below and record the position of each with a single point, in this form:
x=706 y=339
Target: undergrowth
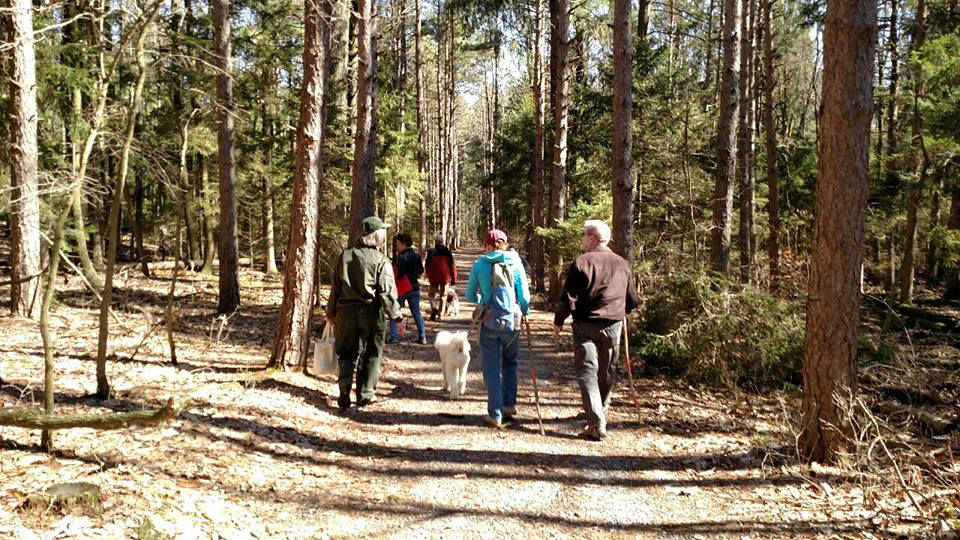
x=707 y=330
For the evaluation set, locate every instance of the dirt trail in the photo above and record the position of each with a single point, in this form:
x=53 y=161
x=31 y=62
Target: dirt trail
x=268 y=455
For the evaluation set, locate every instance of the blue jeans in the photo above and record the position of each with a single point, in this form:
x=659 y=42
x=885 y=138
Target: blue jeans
x=498 y=349
x=413 y=299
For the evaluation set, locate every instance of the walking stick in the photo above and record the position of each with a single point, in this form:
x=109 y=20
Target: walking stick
x=533 y=375
x=626 y=354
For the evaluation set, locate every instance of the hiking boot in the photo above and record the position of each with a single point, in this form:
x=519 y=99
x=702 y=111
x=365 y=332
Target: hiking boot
x=363 y=402
x=343 y=402
x=492 y=422
x=509 y=412
x=594 y=433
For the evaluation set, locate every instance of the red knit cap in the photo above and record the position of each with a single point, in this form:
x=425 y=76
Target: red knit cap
x=495 y=236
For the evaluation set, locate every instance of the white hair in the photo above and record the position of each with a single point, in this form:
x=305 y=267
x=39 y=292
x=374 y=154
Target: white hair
x=597 y=228
x=375 y=239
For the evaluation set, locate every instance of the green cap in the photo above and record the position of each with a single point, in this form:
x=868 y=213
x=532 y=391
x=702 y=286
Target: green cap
x=372 y=224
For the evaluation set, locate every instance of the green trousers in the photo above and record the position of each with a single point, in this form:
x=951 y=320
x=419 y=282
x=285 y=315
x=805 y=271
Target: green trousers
x=359 y=336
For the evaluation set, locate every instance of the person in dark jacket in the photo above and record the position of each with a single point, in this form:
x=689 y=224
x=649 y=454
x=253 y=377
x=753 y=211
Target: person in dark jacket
x=598 y=291
x=363 y=294
x=442 y=274
x=409 y=266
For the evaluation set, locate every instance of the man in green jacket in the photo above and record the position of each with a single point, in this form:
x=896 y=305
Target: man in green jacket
x=362 y=299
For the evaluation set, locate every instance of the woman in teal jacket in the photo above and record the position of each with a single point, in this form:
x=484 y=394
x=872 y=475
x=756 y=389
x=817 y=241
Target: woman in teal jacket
x=500 y=326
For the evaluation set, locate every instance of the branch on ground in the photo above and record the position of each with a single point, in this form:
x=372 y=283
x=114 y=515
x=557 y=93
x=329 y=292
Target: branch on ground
x=28 y=417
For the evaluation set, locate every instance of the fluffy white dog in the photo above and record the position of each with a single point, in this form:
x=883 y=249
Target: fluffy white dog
x=454 y=349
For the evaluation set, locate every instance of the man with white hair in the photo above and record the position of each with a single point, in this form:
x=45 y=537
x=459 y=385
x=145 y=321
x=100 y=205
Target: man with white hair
x=598 y=292
x=362 y=298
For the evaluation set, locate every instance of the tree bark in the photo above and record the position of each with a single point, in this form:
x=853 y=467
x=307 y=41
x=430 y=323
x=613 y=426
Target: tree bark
x=365 y=137
x=830 y=354
x=560 y=42
x=421 y=128
x=770 y=138
x=208 y=226
x=538 y=176
x=893 y=43
x=24 y=197
x=920 y=163
x=269 y=247
x=35 y=419
x=292 y=339
x=726 y=140
x=622 y=156
x=745 y=144
x=228 y=250
x=103 y=386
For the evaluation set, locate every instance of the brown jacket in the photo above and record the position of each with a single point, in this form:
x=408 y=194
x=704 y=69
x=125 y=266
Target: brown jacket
x=599 y=287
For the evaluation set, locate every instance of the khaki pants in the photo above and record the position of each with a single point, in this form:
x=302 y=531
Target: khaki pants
x=445 y=291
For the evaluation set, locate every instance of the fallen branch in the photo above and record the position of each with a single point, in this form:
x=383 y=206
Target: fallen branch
x=34 y=418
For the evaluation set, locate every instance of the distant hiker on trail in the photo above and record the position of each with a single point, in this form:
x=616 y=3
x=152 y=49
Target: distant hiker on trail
x=599 y=291
x=498 y=285
x=363 y=293
x=442 y=274
x=408 y=271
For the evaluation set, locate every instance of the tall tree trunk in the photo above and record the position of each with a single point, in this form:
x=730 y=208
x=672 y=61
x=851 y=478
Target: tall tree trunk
x=770 y=138
x=622 y=156
x=269 y=248
x=920 y=163
x=226 y=137
x=365 y=136
x=538 y=176
x=561 y=43
x=293 y=328
x=25 y=198
x=726 y=140
x=830 y=357
x=421 y=128
x=643 y=19
x=209 y=240
x=745 y=144
x=113 y=223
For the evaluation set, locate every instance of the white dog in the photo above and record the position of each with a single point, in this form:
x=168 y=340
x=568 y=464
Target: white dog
x=454 y=349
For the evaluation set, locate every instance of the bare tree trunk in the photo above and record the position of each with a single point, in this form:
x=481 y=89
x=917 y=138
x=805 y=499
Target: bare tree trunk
x=421 y=128
x=921 y=162
x=269 y=248
x=24 y=198
x=893 y=44
x=622 y=134
x=46 y=437
x=726 y=140
x=208 y=226
x=830 y=358
x=365 y=137
x=770 y=137
x=560 y=14
x=226 y=137
x=745 y=144
x=538 y=185
x=292 y=340
x=103 y=386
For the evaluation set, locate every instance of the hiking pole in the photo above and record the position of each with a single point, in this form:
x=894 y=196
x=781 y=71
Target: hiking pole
x=626 y=354
x=533 y=375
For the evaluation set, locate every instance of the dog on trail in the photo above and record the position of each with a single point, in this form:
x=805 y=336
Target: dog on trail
x=454 y=349
x=453 y=304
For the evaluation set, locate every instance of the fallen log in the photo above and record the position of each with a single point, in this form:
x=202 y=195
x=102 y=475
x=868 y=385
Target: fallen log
x=28 y=417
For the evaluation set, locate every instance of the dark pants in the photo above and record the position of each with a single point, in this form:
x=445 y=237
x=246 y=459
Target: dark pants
x=596 y=346
x=359 y=327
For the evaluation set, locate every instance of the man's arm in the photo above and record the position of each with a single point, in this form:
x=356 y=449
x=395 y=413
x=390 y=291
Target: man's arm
x=572 y=288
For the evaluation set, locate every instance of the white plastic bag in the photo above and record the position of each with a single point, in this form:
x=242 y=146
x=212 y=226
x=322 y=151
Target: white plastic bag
x=324 y=356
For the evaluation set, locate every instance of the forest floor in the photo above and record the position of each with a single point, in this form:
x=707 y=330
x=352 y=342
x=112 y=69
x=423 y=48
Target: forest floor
x=264 y=454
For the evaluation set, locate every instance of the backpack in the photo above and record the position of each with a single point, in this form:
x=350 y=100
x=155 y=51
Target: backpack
x=500 y=311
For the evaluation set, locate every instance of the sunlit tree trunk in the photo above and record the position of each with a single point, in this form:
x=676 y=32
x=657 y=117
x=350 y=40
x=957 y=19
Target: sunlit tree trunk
x=293 y=328
x=726 y=140
x=745 y=144
x=560 y=42
x=538 y=176
x=770 y=139
x=622 y=155
x=24 y=197
x=833 y=305
x=365 y=136
x=228 y=250
x=421 y=128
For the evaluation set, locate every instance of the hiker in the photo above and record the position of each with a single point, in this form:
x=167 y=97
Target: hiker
x=598 y=291
x=363 y=293
x=408 y=270
x=442 y=274
x=498 y=285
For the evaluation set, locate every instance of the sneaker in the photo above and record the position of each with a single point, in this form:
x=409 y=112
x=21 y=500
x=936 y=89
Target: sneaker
x=492 y=422
x=594 y=433
x=509 y=412
x=363 y=402
x=422 y=340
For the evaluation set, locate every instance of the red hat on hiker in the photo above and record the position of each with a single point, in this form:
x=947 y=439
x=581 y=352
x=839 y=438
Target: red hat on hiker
x=495 y=236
